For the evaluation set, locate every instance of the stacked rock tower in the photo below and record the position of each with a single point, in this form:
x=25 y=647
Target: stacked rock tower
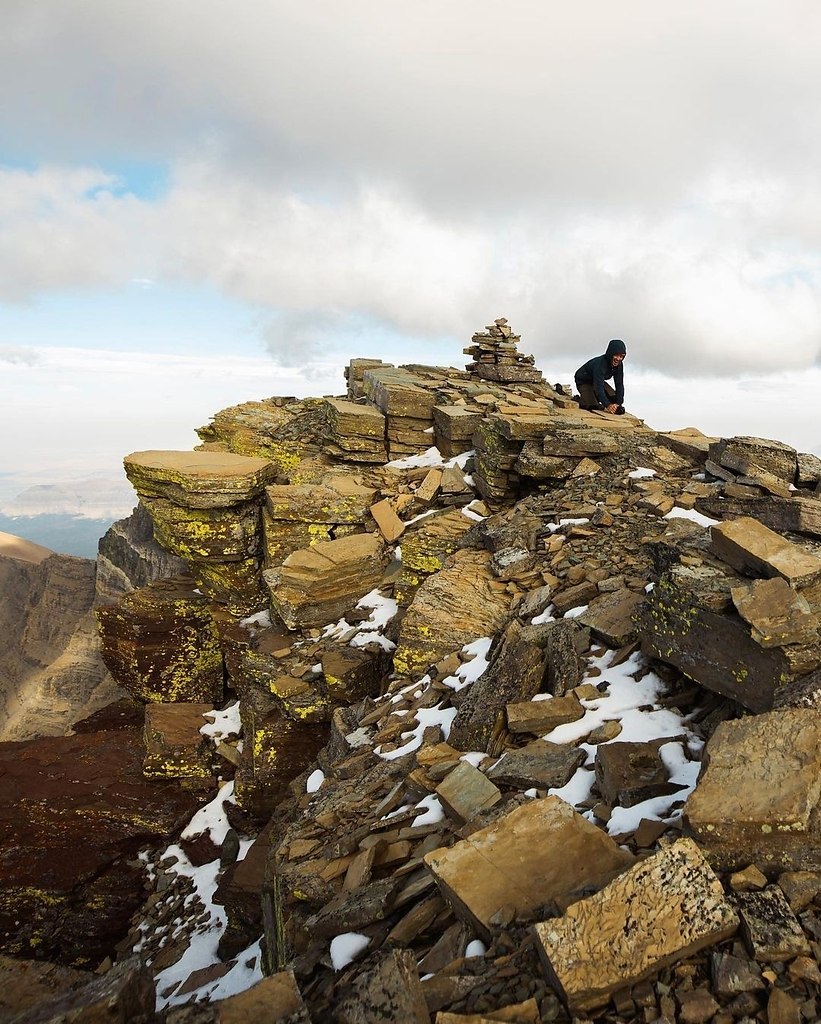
x=495 y=356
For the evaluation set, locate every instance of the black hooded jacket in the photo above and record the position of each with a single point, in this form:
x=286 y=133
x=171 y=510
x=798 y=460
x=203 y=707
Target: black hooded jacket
x=600 y=368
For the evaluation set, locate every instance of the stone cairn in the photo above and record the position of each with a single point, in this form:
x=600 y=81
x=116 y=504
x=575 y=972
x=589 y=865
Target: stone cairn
x=495 y=356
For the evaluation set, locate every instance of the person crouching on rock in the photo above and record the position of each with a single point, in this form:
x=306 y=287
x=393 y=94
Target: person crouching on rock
x=591 y=380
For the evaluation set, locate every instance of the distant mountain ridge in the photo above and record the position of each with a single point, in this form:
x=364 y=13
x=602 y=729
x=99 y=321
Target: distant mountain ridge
x=64 y=534
x=51 y=672
x=91 y=498
x=22 y=550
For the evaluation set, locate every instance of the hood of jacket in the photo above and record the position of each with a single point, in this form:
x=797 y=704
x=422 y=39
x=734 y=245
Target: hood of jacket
x=615 y=348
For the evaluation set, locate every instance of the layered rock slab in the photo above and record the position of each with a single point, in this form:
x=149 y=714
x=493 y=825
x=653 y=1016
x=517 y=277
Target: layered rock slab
x=199 y=479
x=206 y=508
x=757 y=800
x=751 y=547
x=317 y=585
x=451 y=608
x=657 y=912
x=539 y=852
x=684 y=621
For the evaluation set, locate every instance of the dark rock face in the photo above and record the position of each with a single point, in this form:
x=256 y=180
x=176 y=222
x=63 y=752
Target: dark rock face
x=129 y=557
x=74 y=813
x=51 y=672
x=159 y=643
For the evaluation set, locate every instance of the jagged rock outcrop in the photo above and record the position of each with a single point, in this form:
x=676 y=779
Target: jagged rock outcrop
x=51 y=672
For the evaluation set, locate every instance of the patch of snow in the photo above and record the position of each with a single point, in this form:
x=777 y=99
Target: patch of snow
x=346 y=948
x=360 y=737
x=361 y=639
x=577 y=790
x=314 y=781
x=443 y=717
x=553 y=527
x=573 y=613
x=368 y=631
x=262 y=620
x=649 y=587
x=469 y=671
x=382 y=608
x=641 y=473
x=474 y=757
x=222 y=723
x=470 y=514
x=422 y=515
x=247 y=971
x=545 y=616
x=690 y=513
x=212 y=817
x=432 y=457
x=476 y=948
x=433 y=812
x=460 y=460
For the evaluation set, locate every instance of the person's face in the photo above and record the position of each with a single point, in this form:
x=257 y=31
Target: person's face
x=617 y=358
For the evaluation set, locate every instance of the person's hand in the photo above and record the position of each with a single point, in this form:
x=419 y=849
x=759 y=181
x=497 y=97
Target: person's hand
x=612 y=408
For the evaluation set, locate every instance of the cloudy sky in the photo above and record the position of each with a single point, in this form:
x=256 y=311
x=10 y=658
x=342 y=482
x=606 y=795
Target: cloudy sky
x=203 y=202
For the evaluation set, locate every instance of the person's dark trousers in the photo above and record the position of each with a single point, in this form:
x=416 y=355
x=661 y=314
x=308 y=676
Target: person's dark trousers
x=587 y=396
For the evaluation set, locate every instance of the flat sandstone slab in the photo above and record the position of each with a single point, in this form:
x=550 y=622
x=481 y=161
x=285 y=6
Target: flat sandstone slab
x=751 y=547
x=539 y=852
x=199 y=479
x=762 y=776
x=661 y=910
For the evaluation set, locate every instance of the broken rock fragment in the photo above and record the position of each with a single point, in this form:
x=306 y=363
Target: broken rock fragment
x=541 y=851
x=751 y=547
x=539 y=765
x=770 y=928
x=385 y=991
x=628 y=773
x=465 y=791
x=659 y=911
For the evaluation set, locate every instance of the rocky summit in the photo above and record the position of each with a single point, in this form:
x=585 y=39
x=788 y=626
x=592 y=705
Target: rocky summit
x=440 y=700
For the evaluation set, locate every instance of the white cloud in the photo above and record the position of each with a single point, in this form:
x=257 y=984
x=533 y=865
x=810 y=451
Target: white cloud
x=19 y=354
x=644 y=171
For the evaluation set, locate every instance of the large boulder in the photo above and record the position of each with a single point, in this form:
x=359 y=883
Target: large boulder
x=452 y=608
x=758 y=799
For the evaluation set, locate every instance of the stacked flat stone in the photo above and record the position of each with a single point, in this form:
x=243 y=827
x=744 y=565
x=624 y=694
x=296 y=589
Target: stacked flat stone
x=499 y=441
x=425 y=548
x=753 y=466
x=299 y=515
x=407 y=402
x=495 y=356
x=281 y=430
x=354 y=432
x=355 y=376
x=206 y=508
x=317 y=585
x=453 y=428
